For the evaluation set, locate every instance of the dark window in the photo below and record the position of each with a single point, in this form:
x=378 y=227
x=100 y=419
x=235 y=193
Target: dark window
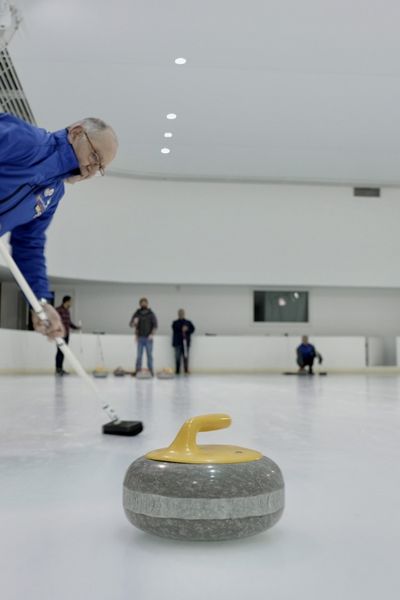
x=280 y=307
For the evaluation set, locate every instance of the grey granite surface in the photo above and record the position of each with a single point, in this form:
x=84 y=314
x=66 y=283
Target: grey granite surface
x=204 y=481
x=203 y=502
x=211 y=530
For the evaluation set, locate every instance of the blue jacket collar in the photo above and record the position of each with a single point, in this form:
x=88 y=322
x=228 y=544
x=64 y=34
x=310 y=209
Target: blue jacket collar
x=66 y=155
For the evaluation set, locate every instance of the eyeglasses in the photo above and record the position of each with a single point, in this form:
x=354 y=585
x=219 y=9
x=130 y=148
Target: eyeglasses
x=96 y=157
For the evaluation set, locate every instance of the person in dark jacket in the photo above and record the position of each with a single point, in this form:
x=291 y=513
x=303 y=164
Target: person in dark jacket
x=63 y=311
x=144 y=321
x=306 y=354
x=34 y=164
x=182 y=331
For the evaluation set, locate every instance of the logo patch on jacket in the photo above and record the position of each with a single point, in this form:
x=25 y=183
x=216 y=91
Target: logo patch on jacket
x=42 y=203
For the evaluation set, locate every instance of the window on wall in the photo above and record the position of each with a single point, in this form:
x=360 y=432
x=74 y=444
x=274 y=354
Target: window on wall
x=280 y=307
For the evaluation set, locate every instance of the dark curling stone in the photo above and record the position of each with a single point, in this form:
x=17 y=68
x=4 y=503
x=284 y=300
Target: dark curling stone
x=191 y=492
x=119 y=372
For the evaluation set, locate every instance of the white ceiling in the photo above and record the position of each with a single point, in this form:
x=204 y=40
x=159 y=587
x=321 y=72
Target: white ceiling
x=292 y=90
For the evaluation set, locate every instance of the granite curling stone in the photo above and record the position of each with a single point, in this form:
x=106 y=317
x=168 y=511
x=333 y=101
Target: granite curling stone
x=203 y=493
x=166 y=373
x=119 y=372
x=143 y=374
x=100 y=373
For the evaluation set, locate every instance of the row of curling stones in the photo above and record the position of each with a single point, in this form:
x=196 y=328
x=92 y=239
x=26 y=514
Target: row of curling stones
x=166 y=373
x=203 y=493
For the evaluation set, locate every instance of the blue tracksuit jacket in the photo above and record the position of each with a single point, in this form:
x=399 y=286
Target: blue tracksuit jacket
x=33 y=166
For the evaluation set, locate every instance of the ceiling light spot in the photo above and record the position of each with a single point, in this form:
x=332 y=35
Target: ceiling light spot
x=165 y=150
x=171 y=116
x=180 y=61
x=168 y=134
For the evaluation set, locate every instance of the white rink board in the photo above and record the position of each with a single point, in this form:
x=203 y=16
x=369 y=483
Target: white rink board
x=30 y=352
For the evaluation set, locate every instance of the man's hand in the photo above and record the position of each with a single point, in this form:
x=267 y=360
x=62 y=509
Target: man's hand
x=53 y=327
x=134 y=323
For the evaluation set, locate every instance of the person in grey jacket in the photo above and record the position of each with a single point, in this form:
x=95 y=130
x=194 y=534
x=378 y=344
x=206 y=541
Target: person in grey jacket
x=144 y=321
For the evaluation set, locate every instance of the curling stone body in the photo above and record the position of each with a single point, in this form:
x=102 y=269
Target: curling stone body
x=207 y=499
x=119 y=372
x=100 y=374
x=144 y=374
x=166 y=373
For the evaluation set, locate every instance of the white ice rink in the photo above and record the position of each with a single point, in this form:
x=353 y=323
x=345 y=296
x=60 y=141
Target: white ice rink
x=64 y=536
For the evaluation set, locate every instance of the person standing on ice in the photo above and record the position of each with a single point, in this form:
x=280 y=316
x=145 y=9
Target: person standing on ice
x=34 y=164
x=65 y=315
x=145 y=324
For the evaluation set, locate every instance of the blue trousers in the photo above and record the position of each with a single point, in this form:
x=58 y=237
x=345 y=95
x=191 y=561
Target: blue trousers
x=144 y=343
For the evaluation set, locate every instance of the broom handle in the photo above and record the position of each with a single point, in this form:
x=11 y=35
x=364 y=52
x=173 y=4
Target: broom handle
x=40 y=312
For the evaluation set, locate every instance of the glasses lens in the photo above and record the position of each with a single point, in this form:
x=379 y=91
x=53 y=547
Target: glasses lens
x=97 y=161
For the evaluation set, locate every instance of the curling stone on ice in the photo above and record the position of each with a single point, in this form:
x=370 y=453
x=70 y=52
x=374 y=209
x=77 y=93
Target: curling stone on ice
x=193 y=492
x=166 y=373
x=100 y=373
x=119 y=372
x=143 y=374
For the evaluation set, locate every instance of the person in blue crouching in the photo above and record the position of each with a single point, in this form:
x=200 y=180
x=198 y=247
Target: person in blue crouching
x=306 y=354
x=34 y=165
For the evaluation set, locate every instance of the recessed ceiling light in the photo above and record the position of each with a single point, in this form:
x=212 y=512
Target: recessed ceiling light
x=165 y=150
x=171 y=116
x=168 y=134
x=180 y=61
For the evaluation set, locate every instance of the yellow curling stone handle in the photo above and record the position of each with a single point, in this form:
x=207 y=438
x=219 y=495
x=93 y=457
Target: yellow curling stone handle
x=184 y=448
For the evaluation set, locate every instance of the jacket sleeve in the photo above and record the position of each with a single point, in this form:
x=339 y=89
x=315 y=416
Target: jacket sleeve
x=192 y=328
x=28 y=245
x=154 y=321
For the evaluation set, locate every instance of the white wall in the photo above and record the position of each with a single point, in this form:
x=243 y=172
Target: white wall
x=204 y=245
x=228 y=309
x=129 y=230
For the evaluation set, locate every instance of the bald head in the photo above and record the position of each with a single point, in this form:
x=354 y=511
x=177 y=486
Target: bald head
x=95 y=144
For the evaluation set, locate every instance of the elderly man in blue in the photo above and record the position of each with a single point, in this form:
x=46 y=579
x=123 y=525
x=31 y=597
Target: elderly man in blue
x=34 y=164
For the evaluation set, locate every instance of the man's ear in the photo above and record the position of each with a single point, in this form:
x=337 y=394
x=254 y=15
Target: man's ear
x=74 y=132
